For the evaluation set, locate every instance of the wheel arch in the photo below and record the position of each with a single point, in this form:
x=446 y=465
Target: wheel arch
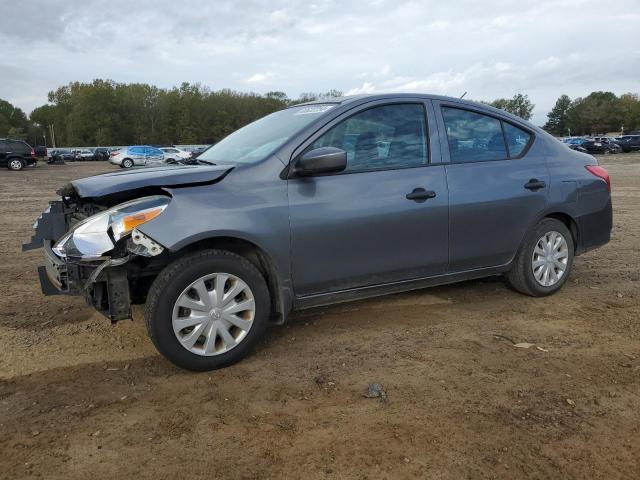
x=559 y=215
x=570 y=223
x=281 y=300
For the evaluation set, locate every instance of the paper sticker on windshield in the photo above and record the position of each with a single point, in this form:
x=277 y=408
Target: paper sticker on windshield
x=313 y=109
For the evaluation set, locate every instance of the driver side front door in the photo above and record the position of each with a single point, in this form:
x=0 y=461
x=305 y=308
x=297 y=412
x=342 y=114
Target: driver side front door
x=363 y=227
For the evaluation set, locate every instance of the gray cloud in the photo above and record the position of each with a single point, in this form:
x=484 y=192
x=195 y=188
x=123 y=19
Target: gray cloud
x=490 y=49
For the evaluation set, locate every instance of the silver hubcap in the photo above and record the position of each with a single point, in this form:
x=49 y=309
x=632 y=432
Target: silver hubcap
x=16 y=164
x=213 y=314
x=550 y=257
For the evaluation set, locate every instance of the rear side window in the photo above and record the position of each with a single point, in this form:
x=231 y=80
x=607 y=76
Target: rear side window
x=517 y=139
x=18 y=147
x=137 y=150
x=473 y=137
x=385 y=137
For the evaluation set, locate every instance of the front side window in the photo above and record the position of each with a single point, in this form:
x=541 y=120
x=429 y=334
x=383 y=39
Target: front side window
x=473 y=137
x=386 y=137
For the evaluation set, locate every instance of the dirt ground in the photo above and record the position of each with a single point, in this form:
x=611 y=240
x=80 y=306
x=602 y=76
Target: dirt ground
x=80 y=398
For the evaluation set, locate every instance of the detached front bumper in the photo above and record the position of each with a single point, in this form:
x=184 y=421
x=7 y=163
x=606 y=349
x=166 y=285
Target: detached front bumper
x=103 y=283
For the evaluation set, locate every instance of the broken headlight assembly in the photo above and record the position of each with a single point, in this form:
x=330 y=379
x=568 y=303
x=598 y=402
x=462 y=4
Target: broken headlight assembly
x=91 y=238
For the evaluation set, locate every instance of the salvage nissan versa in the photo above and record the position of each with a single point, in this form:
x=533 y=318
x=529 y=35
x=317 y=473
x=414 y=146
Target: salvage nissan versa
x=321 y=203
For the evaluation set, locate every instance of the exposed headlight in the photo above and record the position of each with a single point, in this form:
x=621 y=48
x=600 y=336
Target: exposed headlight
x=96 y=235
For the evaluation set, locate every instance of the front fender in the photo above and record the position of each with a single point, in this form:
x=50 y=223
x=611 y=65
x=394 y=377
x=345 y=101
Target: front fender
x=256 y=212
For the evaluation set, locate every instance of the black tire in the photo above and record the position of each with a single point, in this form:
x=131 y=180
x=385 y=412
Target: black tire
x=15 y=164
x=171 y=282
x=521 y=276
x=127 y=163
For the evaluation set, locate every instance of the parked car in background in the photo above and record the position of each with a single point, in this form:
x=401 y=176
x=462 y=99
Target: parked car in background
x=101 y=153
x=61 y=155
x=295 y=213
x=172 y=154
x=138 y=155
x=41 y=151
x=601 y=145
x=83 y=155
x=629 y=143
x=575 y=143
x=16 y=154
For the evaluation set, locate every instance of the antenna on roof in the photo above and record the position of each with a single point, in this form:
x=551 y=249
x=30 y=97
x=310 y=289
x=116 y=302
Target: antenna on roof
x=462 y=96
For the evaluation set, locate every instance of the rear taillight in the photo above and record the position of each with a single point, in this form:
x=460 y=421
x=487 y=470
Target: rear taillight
x=113 y=154
x=600 y=172
x=33 y=152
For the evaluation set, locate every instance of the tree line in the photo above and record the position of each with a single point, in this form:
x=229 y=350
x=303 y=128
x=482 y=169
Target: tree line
x=104 y=112
x=599 y=112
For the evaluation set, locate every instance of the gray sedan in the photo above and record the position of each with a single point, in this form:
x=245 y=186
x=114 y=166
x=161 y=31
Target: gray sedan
x=321 y=203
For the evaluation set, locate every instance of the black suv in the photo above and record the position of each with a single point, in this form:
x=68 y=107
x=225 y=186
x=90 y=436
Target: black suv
x=16 y=154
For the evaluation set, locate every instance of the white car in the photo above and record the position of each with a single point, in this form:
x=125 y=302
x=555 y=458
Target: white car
x=173 y=153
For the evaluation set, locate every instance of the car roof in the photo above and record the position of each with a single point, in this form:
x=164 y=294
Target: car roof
x=362 y=98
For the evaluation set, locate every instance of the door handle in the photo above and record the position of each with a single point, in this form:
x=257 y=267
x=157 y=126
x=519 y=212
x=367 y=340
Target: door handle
x=420 y=195
x=534 y=184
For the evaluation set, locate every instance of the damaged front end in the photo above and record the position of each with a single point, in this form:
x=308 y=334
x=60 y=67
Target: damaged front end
x=94 y=249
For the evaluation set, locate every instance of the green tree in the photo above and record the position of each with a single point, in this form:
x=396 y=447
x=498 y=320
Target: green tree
x=557 y=118
x=519 y=105
x=629 y=109
x=599 y=112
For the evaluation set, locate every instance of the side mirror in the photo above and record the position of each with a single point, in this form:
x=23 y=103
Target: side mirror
x=321 y=160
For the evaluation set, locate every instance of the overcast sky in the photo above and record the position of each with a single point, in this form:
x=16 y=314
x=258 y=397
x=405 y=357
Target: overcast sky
x=490 y=48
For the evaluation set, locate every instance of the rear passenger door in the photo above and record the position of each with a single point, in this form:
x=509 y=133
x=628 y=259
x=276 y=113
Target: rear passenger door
x=498 y=185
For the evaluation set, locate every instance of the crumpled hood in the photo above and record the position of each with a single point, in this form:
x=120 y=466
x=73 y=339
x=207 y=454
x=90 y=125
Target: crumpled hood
x=143 y=178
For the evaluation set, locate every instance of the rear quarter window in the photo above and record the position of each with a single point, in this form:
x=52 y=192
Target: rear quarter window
x=517 y=139
x=20 y=147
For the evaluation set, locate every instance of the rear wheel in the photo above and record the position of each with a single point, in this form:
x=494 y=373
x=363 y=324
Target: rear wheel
x=207 y=310
x=15 y=164
x=127 y=163
x=544 y=260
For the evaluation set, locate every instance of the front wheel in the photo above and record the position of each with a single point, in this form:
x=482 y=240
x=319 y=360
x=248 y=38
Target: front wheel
x=544 y=260
x=207 y=310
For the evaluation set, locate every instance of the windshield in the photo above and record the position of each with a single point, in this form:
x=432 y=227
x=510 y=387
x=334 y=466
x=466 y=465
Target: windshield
x=257 y=140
